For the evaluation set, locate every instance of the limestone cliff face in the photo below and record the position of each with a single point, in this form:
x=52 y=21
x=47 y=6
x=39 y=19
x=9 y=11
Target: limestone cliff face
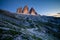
x=32 y=11
x=25 y=10
x=19 y=10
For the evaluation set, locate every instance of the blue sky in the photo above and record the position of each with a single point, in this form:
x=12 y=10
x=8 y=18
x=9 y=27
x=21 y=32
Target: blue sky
x=42 y=7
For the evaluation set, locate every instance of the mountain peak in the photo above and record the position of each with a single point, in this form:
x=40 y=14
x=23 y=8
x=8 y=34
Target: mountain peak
x=19 y=10
x=32 y=11
x=26 y=10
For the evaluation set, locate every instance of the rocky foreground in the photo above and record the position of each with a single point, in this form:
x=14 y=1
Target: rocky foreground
x=28 y=27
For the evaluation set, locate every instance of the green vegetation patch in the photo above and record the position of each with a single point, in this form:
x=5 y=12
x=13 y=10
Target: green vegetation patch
x=7 y=38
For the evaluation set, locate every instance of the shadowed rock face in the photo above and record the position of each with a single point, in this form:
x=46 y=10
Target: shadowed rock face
x=25 y=9
x=19 y=10
x=32 y=11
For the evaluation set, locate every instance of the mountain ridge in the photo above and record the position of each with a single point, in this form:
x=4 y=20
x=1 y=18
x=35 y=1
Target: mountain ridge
x=15 y=26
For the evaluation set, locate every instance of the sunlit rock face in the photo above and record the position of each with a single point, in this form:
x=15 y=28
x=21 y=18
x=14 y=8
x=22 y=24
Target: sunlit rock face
x=32 y=11
x=19 y=10
x=25 y=10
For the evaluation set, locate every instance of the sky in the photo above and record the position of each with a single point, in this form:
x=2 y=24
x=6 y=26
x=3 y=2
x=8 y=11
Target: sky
x=43 y=7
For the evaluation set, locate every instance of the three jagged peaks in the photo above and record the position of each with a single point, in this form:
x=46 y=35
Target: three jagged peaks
x=25 y=10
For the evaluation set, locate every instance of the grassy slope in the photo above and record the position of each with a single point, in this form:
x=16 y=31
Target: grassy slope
x=9 y=29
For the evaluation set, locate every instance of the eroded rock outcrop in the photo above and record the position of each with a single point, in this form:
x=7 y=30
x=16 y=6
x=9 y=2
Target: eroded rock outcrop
x=25 y=10
x=19 y=10
x=32 y=11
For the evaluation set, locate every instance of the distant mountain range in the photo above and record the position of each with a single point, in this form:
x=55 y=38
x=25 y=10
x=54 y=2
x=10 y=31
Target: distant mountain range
x=14 y=26
x=55 y=15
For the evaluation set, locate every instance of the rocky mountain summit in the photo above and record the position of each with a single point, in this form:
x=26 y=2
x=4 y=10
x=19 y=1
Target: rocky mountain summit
x=26 y=11
x=15 y=26
x=19 y=10
x=32 y=11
